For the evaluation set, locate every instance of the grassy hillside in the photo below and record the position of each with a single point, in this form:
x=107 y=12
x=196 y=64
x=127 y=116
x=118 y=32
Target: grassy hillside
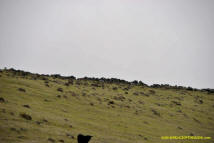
x=40 y=108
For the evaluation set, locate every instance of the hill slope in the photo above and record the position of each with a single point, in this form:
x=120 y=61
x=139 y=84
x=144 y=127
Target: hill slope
x=40 y=108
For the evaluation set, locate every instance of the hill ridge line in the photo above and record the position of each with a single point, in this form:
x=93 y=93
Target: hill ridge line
x=107 y=80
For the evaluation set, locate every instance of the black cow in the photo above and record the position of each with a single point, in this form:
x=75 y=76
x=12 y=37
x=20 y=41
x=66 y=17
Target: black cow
x=83 y=139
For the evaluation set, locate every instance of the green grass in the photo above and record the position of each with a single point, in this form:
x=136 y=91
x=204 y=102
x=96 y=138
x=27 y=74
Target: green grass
x=87 y=110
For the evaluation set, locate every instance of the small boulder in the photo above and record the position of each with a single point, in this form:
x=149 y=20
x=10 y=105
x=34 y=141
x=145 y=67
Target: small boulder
x=51 y=140
x=44 y=120
x=70 y=136
x=176 y=103
x=114 y=88
x=179 y=128
x=38 y=122
x=62 y=141
x=21 y=137
x=136 y=93
x=110 y=102
x=26 y=116
x=60 y=89
x=59 y=96
x=156 y=112
x=2 y=99
x=26 y=106
x=152 y=91
x=22 y=89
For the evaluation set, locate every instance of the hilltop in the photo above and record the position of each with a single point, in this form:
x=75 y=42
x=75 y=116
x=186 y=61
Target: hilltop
x=54 y=108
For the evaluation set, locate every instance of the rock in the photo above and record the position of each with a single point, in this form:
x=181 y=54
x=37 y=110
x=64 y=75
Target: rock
x=44 y=120
x=73 y=94
x=152 y=91
x=21 y=137
x=23 y=129
x=140 y=102
x=66 y=84
x=125 y=89
x=127 y=106
x=65 y=96
x=176 y=103
x=38 y=122
x=62 y=141
x=84 y=94
x=147 y=95
x=196 y=120
x=46 y=82
x=191 y=134
x=156 y=112
x=2 y=99
x=120 y=98
x=145 y=122
x=95 y=85
x=13 y=129
x=70 y=136
x=114 y=88
x=60 y=89
x=22 y=89
x=200 y=101
x=26 y=106
x=26 y=116
x=180 y=111
x=136 y=93
x=179 y=128
x=110 y=102
x=51 y=140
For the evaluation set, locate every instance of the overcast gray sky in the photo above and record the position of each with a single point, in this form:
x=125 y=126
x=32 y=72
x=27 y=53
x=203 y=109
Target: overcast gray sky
x=155 y=41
